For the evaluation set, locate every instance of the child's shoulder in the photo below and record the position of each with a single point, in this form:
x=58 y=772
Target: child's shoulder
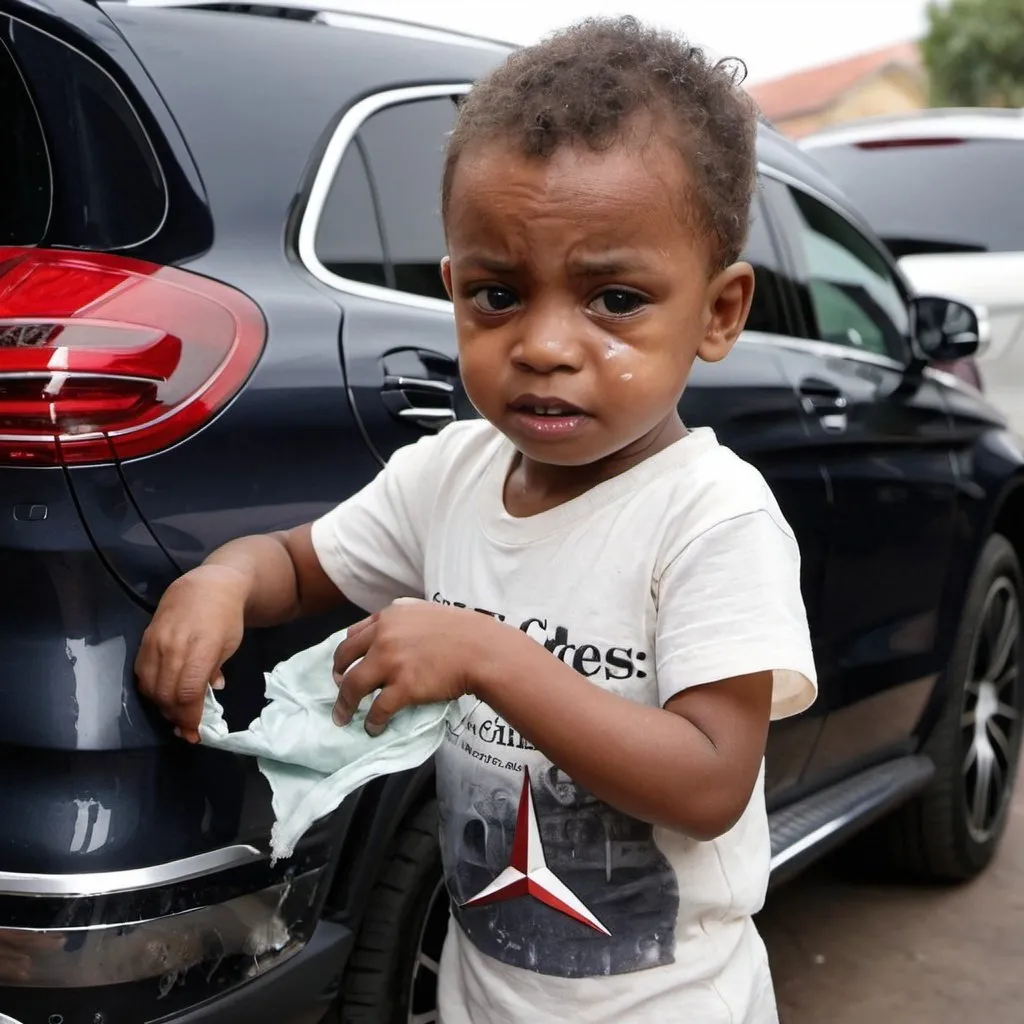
x=708 y=487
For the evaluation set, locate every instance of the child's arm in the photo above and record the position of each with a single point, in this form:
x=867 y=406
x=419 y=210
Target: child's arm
x=370 y=546
x=254 y=581
x=690 y=766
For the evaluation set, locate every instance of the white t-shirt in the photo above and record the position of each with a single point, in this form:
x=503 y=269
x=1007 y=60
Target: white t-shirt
x=680 y=571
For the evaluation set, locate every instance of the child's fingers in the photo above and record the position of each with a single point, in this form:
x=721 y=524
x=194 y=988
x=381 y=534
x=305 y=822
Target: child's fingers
x=185 y=718
x=386 y=705
x=357 y=627
x=352 y=648
x=358 y=681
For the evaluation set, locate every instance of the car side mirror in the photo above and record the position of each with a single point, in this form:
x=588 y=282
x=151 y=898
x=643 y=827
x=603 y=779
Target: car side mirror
x=946 y=330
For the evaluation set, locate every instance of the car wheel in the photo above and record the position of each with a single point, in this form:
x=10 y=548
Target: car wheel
x=391 y=976
x=952 y=830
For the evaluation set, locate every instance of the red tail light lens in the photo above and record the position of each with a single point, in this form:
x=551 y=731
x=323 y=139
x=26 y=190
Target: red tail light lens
x=106 y=357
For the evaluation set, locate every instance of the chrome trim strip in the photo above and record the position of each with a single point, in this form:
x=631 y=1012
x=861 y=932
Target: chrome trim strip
x=812 y=839
x=824 y=349
x=439 y=415
x=787 y=179
x=418 y=384
x=241 y=939
x=347 y=127
x=17 y=883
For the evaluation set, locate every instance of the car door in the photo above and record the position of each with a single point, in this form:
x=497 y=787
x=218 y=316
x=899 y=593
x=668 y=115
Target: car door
x=750 y=402
x=883 y=437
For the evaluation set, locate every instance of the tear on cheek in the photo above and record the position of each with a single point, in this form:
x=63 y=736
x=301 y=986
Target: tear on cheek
x=613 y=349
x=625 y=376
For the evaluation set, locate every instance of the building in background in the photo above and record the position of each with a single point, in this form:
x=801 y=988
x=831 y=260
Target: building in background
x=887 y=81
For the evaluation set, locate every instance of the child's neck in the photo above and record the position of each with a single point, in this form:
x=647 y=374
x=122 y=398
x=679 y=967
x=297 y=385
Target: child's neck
x=533 y=487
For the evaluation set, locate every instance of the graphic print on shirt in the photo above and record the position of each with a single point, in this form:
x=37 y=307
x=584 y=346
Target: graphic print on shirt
x=528 y=873
x=607 y=860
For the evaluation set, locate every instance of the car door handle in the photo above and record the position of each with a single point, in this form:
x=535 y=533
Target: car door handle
x=825 y=402
x=423 y=401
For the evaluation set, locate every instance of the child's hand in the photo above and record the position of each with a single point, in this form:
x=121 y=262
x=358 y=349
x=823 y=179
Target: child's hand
x=197 y=626
x=416 y=653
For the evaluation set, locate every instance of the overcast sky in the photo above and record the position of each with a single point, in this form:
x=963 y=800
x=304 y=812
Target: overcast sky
x=774 y=37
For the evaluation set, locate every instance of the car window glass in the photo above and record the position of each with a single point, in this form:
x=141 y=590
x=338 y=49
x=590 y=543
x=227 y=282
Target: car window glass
x=854 y=297
x=404 y=147
x=935 y=195
x=766 y=311
x=108 y=188
x=26 y=189
x=348 y=241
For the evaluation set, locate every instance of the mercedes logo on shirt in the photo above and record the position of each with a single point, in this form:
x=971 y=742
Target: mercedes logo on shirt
x=528 y=873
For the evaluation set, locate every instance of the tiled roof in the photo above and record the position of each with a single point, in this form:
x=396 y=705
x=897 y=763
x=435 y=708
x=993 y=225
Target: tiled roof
x=807 y=92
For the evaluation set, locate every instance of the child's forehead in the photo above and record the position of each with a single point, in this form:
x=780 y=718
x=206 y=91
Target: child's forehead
x=616 y=195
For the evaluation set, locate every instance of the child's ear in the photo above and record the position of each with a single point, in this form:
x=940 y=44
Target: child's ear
x=729 y=297
x=446 y=275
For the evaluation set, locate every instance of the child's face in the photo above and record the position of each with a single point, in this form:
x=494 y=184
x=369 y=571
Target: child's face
x=581 y=288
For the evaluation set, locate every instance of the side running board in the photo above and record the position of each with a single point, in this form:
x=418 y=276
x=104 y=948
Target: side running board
x=806 y=829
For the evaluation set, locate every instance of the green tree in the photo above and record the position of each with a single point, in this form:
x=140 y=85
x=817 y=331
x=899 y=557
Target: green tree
x=974 y=53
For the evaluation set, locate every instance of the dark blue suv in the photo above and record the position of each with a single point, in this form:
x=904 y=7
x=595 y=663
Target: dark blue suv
x=220 y=313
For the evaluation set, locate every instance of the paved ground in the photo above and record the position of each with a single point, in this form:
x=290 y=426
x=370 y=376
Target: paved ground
x=857 y=954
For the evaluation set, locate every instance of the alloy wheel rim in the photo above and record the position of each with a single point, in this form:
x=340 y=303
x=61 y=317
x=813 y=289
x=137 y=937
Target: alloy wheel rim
x=426 y=966
x=990 y=718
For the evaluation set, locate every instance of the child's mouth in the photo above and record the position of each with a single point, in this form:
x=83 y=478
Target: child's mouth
x=546 y=417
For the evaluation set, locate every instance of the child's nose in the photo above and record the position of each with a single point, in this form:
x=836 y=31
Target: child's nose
x=548 y=345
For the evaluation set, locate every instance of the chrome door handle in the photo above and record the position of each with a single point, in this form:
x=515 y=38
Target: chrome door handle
x=427 y=417
x=827 y=404
x=422 y=401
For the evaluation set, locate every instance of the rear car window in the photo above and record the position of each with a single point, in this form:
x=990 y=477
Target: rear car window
x=935 y=195
x=26 y=188
x=391 y=172
x=103 y=186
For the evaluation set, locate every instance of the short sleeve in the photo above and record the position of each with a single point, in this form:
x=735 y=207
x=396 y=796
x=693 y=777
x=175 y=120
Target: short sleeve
x=730 y=605
x=372 y=545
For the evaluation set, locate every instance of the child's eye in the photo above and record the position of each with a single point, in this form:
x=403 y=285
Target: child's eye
x=617 y=302
x=494 y=299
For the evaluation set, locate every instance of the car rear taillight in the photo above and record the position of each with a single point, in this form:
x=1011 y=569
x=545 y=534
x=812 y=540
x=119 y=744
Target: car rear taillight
x=104 y=357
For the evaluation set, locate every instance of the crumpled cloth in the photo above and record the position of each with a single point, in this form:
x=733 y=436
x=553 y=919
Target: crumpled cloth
x=311 y=763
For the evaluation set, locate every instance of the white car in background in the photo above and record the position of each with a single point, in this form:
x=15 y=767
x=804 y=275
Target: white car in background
x=945 y=190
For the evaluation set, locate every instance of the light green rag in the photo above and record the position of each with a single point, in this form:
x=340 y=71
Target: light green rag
x=311 y=763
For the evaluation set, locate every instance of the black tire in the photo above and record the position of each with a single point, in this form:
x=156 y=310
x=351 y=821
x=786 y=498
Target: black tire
x=936 y=837
x=391 y=974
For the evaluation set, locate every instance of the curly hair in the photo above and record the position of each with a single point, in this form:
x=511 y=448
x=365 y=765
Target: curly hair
x=591 y=83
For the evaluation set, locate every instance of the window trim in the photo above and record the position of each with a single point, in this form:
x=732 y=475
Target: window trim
x=866 y=233
x=342 y=137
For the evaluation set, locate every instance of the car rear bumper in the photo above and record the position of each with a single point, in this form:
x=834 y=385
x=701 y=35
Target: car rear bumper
x=298 y=992
x=222 y=936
